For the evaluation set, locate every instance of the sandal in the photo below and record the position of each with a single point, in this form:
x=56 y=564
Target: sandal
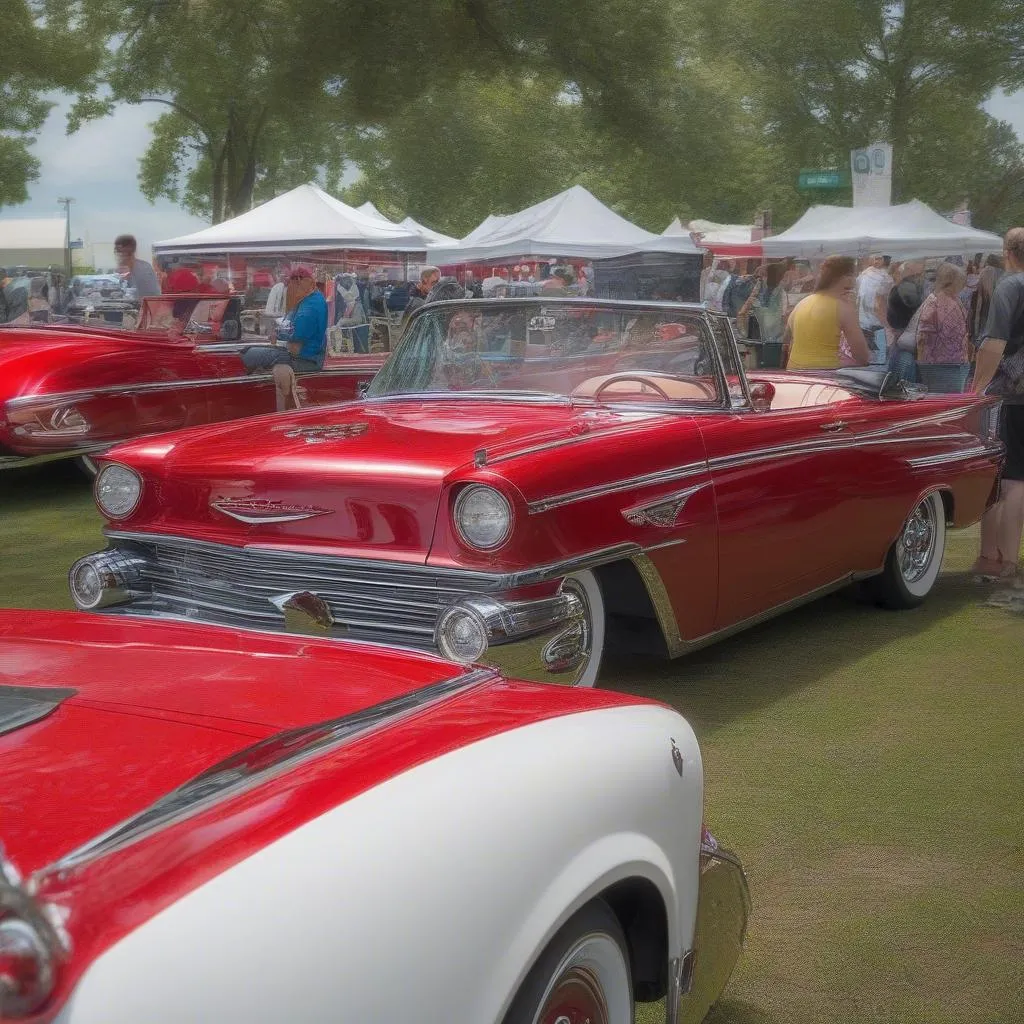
x=991 y=570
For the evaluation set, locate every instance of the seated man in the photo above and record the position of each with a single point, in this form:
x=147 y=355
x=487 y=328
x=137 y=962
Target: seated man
x=304 y=331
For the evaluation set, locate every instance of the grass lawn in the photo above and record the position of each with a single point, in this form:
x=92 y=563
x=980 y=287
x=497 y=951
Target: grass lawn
x=867 y=765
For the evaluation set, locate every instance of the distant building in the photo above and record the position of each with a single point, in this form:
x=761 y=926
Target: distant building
x=36 y=243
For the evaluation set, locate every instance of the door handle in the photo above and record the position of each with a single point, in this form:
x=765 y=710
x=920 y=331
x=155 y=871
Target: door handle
x=834 y=427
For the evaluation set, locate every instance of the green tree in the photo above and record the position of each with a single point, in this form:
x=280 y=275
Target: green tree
x=261 y=96
x=42 y=51
x=827 y=76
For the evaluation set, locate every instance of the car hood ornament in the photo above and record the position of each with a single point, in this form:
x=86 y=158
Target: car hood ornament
x=262 y=510
x=322 y=432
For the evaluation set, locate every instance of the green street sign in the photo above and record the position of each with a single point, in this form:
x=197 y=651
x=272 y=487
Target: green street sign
x=824 y=179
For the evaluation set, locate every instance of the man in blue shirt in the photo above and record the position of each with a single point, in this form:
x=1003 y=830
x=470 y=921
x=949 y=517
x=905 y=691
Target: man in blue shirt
x=304 y=331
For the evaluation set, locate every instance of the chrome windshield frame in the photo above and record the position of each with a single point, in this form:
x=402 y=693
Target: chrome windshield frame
x=699 y=311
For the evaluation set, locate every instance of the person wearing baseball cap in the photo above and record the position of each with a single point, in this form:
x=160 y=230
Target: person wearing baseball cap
x=304 y=331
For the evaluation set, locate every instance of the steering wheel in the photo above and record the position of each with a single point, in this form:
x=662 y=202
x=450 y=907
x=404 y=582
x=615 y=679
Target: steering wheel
x=644 y=382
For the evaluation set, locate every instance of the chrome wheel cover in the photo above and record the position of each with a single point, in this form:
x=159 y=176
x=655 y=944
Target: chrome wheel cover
x=916 y=546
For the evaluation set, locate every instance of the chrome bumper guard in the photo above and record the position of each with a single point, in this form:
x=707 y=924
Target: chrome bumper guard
x=545 y=640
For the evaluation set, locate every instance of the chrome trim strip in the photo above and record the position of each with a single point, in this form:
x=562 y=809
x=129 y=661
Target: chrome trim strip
x=675 y=642
x=167 y=385
x=429 y=573
x=944 y=458
x=663 y=511
x=262 y=762
x=662 y=476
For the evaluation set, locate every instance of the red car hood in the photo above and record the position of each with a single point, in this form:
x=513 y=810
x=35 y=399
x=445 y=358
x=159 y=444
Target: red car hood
x=130 y=711
x=357 y=478
x=32 y=357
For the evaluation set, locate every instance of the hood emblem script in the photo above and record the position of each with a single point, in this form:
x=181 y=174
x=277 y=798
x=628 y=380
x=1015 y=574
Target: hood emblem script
x=262 y=510
x=328 y=432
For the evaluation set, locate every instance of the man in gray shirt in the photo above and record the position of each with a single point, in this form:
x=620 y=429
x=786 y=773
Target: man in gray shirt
x=141 y=275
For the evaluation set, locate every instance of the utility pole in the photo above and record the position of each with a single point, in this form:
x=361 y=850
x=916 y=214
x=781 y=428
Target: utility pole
x=66 y=202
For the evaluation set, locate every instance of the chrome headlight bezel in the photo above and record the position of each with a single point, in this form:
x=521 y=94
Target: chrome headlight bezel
x=128 y=477
x=476 y=492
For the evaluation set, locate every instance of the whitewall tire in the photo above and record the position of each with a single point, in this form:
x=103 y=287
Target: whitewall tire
x=583 y=974
x=586 y=586
x=913 y=562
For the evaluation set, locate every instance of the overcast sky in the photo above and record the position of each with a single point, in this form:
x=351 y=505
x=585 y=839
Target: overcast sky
x=98 y=166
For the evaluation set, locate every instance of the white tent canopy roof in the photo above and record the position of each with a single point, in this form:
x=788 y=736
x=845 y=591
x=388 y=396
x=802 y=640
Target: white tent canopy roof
x=571 y=224
x=302 y=220
x=722 y=234
x=903 y=231
x=428 y=235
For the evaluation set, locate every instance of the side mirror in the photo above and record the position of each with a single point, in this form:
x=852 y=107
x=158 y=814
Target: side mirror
x=762 y=394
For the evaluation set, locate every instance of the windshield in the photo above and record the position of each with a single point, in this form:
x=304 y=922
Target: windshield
x=604 y=353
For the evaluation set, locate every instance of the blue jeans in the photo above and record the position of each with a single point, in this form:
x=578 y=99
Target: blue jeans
x=944 y=378
x=904 y=364
x=264 y=357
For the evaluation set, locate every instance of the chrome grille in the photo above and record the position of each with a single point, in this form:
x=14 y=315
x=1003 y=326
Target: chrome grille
x=385 y=602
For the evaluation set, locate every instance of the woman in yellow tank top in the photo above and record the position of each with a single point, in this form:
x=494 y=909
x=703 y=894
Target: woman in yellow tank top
x=818 y=321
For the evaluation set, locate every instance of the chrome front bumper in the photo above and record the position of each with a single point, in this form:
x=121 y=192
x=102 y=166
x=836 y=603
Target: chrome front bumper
x=546 y=639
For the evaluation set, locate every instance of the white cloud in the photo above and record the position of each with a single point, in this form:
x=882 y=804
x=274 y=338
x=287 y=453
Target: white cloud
x=98 y=166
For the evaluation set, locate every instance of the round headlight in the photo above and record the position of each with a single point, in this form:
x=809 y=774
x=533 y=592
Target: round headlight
x=483 y=517
x=86 y=584
x=461 y=636
x=118 y=490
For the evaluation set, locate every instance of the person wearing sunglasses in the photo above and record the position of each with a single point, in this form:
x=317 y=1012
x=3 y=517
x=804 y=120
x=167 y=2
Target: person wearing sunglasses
x=304 y=333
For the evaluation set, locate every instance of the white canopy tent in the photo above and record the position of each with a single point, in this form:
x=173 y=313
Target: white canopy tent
x=571 y=224
x=715 y=233
x=306 y=219
x=428 y=235
x=908 y=230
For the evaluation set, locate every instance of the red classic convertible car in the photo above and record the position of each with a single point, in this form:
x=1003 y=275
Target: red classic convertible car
x=529 y=482
x=68 y=391
x=204 y=825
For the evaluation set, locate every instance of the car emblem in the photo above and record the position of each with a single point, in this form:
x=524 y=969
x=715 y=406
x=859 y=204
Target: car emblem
x=304 y=613
x=262 y=510
x=677 y=758
x=328 y=432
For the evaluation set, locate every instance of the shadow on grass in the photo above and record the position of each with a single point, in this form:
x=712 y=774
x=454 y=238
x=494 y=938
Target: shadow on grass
x=22 y=490
x=748 y=671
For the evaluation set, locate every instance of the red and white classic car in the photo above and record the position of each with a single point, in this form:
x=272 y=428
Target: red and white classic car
x=203 y=824
x=68 y=391
x=528 y=482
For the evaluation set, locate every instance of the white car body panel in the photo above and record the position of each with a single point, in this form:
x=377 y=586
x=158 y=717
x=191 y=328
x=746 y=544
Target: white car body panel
x=428 y=897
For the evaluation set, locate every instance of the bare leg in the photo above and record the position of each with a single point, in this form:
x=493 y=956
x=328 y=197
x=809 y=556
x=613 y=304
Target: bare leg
x=284 y=387
x=991 y=528
x=1011 y=522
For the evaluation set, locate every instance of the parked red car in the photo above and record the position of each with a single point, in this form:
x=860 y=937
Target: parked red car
x=68 y=391
x=204 y=825
x=528 y=482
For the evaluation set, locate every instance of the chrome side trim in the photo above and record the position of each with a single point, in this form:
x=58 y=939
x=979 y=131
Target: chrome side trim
x=677 y=645
x=665 y=511
x=260 y=763
x=662 y=476
x=168 y=385
x=944 y=458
